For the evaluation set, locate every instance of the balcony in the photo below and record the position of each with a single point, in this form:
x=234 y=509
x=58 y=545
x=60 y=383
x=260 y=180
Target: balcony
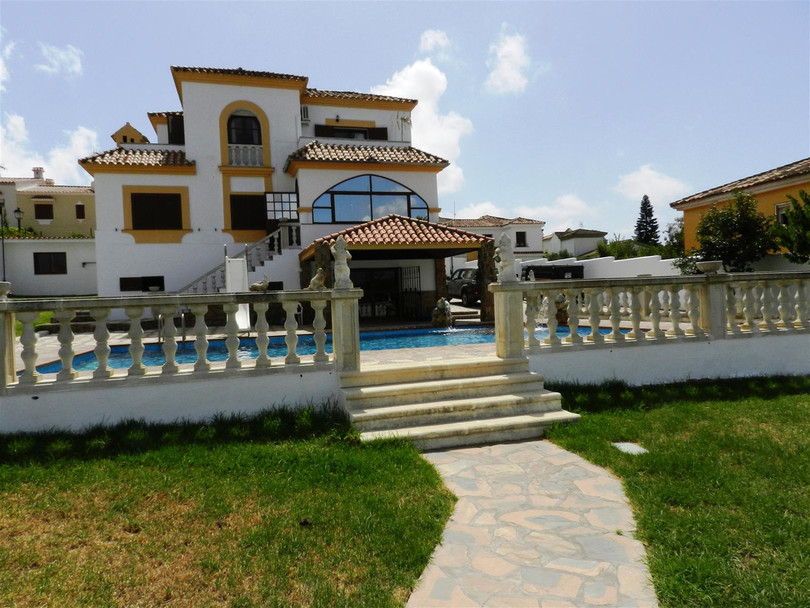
x=245 y=155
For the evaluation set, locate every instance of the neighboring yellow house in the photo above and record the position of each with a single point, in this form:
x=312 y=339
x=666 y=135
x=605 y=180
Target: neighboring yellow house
x=770 y=188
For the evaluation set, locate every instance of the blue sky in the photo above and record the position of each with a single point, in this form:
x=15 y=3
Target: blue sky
x=567 y=112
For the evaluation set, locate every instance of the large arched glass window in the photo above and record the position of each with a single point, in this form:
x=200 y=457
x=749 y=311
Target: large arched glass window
x=244 y=129
x=364 y=198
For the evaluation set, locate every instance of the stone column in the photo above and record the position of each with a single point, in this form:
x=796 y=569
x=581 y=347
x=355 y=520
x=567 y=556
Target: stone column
x=6 y=340
x=713 y=307
x=486 y=274
x=346 y=328
x=508 y=323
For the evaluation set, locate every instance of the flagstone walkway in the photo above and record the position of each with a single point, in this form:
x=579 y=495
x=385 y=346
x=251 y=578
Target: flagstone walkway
x=535 y=526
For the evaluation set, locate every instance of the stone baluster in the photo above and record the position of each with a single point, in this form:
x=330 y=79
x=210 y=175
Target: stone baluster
x=136 y=333
x=574 y=308
x=553 y=338
x=200 y=329
x=262 y=341
x=666 y=310
x=784 y=309
x=655 y=314
x=319 y=335
x=532 y=310
x=635 y=312
x=768 y=309
x=750 y=307
x=595 y=307
x=694 y=311
x=102 y=337
x=732 y=293
x=291 y=339
x=28 y=339
x=169 y=340
x=232 y=336
x=802 y=319
x=615 y=315
x=65 y=337
x=674 y=311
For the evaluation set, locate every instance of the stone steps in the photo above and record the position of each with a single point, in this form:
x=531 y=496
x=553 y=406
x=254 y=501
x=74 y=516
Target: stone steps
x=451 y=404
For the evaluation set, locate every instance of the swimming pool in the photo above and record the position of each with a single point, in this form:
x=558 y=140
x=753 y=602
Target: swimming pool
x=369 y=340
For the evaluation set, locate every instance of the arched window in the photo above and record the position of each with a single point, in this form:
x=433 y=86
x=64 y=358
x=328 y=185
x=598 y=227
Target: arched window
x=244 y=129
x=364 y=198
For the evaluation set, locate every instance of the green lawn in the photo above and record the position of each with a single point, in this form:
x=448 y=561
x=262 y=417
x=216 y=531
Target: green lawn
x=280 y=510
x=722 y=499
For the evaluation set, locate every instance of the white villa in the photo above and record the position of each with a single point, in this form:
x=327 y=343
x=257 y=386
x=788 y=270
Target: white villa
x=260 y=161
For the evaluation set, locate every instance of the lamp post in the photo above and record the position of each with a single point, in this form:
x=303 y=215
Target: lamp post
x=3 y=232
x=18 y=213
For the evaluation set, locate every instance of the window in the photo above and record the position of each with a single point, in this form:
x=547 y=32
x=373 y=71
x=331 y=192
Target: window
x=282 y=205
x=50 y=263
x=153 y=283
x=156 y=211
x=43 y=212
x=80 y=214
x=520 y=239
x=780 y=213
x=244 y=129
x=372 y=133
x=248 y=211
x=365 y=198
x=177 y=130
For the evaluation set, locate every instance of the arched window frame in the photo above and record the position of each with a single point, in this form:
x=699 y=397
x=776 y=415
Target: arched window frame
x=325 y=207
x=244 y=128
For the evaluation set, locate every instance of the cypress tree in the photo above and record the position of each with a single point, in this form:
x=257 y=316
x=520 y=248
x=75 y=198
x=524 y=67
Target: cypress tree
x=647 y=225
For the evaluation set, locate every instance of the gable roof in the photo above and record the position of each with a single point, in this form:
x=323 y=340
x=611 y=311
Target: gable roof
x=578 y=233
x=487 y=221
x=772 y=177
x=394 y=157
x=125 y=160
x=397 y=232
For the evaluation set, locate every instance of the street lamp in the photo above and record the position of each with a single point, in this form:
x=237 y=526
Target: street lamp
x=18 y=213
x=3 y=232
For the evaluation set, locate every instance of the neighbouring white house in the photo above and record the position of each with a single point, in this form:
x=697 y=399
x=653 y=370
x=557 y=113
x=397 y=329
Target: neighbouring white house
x=260 y=161
x=576 y=242
x=53 y=252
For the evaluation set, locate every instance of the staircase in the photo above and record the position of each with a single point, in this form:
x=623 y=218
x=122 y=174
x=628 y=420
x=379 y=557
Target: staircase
x=489 y=400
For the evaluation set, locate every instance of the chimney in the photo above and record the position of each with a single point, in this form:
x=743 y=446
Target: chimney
x=39 y=172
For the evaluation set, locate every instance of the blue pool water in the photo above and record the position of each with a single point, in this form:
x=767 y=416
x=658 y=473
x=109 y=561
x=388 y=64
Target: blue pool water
x=369 y=340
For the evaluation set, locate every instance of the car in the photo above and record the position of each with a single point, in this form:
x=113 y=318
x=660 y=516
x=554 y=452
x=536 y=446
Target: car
x=464 y=284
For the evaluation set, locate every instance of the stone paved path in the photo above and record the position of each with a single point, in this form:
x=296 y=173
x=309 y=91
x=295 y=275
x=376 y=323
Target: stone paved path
x=535 y=526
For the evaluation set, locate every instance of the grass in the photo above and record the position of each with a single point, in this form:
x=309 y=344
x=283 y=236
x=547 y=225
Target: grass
x=722 y=499
x=282 y=509
x=43 y=317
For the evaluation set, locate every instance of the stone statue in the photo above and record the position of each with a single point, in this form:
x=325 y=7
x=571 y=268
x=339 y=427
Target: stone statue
x=318 y=281
x=262 y=285
x=561 y=304
x=506 y=260
x=442 y=314
x=530 y=276
x=342 y=256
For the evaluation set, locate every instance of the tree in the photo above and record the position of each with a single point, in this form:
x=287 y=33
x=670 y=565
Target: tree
x=646 y=225
x=794 y=234
x=736 y=233
x=673 y=240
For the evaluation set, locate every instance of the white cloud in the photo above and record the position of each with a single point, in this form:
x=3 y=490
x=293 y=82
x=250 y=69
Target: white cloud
x=5 y=54
x=433 y=132
x=508 y=62
x=476 y=210
x=660 y=188
x=67 y=61
x=567 y=211
x=433 y=40
x=60 y=163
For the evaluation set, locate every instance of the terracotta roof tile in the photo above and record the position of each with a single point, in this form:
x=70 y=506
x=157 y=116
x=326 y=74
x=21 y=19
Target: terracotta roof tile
x=166 y=114
x=400 y=230
x=318 y=152
x=56 y=189
x=139 y=157
x=487 y=221
x=799 y=168
x=579 y=233
x=238 y=72
x=349 y=95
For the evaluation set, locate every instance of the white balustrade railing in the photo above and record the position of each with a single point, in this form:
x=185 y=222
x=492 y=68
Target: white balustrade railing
x=646 y=310
x=139 y=310
x=244 y=155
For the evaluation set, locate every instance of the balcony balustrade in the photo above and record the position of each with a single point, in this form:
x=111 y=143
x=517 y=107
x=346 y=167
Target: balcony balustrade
x=244 y=155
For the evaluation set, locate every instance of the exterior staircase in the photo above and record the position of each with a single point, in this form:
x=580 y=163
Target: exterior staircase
x=444 y=405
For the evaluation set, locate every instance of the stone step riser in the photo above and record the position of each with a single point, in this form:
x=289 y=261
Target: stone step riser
x=399 y=394
x=425 y=373
x=454 y=412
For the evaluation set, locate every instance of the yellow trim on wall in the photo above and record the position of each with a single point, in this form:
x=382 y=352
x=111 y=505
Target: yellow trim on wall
x=294 y=166
x=369 y=104
x=223 y=129
x=240 y=80
x=360 y=124
x=156 y=236
x=158 y=120
x=264 y=172
x=93 y=168
x=434 y=209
